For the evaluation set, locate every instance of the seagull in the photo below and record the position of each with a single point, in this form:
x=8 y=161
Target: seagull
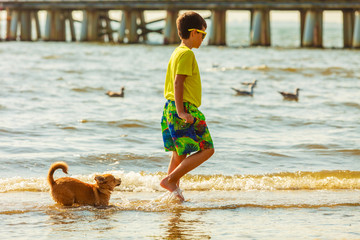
x=240 y=92
x=215 y=65
x=250 y=83
x=291 y=96
x=116 y=94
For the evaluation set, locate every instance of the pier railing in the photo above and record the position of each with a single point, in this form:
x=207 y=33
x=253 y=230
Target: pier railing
x=22 y=19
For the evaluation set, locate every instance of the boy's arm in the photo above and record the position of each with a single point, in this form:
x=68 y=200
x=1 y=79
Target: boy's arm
x=179 y=92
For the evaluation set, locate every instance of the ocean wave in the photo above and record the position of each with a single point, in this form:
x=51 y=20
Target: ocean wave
x=274 y=154
x=12 y=132
x=126 y=156
x=343 y=104
x=126 y=123
x=352 y=104
x=217 y=68
x=306 y=71
x=48 y=57
x=67 y=128
x=88 y=89
x=355 y=152
x=312 y=146
x=149 y=182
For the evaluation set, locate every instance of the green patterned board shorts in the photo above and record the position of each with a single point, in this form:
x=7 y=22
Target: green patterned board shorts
x=184 y=138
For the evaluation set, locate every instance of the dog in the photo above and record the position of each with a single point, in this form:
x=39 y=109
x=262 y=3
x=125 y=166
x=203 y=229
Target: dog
x=68 y=191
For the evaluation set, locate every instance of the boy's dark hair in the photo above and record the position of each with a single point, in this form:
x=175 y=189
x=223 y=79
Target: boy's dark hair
x=187 y=21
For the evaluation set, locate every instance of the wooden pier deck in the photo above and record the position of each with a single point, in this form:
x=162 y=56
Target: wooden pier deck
x=183 y=4
x=23 y=21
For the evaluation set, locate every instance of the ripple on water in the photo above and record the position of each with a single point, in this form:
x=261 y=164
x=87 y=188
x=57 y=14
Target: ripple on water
x=126 y=123
x=274 y=154
x=352 y=105
x=312 y=146
x=88 y=89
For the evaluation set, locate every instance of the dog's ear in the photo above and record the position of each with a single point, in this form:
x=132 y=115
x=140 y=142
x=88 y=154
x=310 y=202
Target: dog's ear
x=99 y=179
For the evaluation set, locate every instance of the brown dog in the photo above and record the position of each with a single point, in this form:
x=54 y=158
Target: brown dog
x=68 y=191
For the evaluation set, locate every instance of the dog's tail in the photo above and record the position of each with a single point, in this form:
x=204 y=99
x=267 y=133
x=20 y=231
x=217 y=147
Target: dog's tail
x=53 y=168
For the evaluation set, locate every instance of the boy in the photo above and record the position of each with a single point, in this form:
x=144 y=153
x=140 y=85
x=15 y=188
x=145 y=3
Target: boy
x=183 y=126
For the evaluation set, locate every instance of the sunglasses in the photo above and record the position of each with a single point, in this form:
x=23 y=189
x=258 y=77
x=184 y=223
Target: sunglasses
x=199 y=31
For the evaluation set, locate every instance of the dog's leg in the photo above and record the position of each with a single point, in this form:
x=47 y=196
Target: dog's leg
x=96 y=194
x=66 y=198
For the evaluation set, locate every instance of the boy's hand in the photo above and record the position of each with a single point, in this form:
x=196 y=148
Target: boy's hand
x=187 y=117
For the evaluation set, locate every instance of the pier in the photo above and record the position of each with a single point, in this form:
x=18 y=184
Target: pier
x=22 y=20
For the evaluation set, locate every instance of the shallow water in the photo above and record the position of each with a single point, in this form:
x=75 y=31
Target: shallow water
x=206 y=215
x=281 y=170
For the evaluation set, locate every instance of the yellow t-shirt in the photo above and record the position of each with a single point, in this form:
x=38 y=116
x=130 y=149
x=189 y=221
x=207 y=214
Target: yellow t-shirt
x=183 y=62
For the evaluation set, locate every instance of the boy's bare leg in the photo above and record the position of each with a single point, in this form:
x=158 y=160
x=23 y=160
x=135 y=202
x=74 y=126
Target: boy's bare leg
x=188 y=164
x=174 y=162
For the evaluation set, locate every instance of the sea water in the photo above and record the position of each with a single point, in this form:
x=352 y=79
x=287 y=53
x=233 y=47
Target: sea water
x=281 y=170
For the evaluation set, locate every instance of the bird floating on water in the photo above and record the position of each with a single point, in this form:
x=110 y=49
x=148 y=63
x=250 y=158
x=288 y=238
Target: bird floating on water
x=250 y=83
x=215 y=65
x=291 y=96
x=249 y=93
x=116 y=94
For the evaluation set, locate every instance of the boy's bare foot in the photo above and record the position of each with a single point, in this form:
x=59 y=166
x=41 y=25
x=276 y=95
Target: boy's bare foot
x=171 y=187
x=168 y=185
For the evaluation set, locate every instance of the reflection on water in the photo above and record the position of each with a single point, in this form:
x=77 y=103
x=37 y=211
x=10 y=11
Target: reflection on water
x=111 y=223
x=182 y=225
x=73 y=222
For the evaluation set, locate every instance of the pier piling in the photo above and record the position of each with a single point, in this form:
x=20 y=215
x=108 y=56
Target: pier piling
x=260 y=28
x=313 y=29
x=356 y=36
x=20 y=25
x=348 y=28
x=55 y=26
x=25 y=34
x=8 y=23
x=170 y=30
x=71 y=25
x=90 y=26
x=132 y=26
x=14 y=22
x=218 y=28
